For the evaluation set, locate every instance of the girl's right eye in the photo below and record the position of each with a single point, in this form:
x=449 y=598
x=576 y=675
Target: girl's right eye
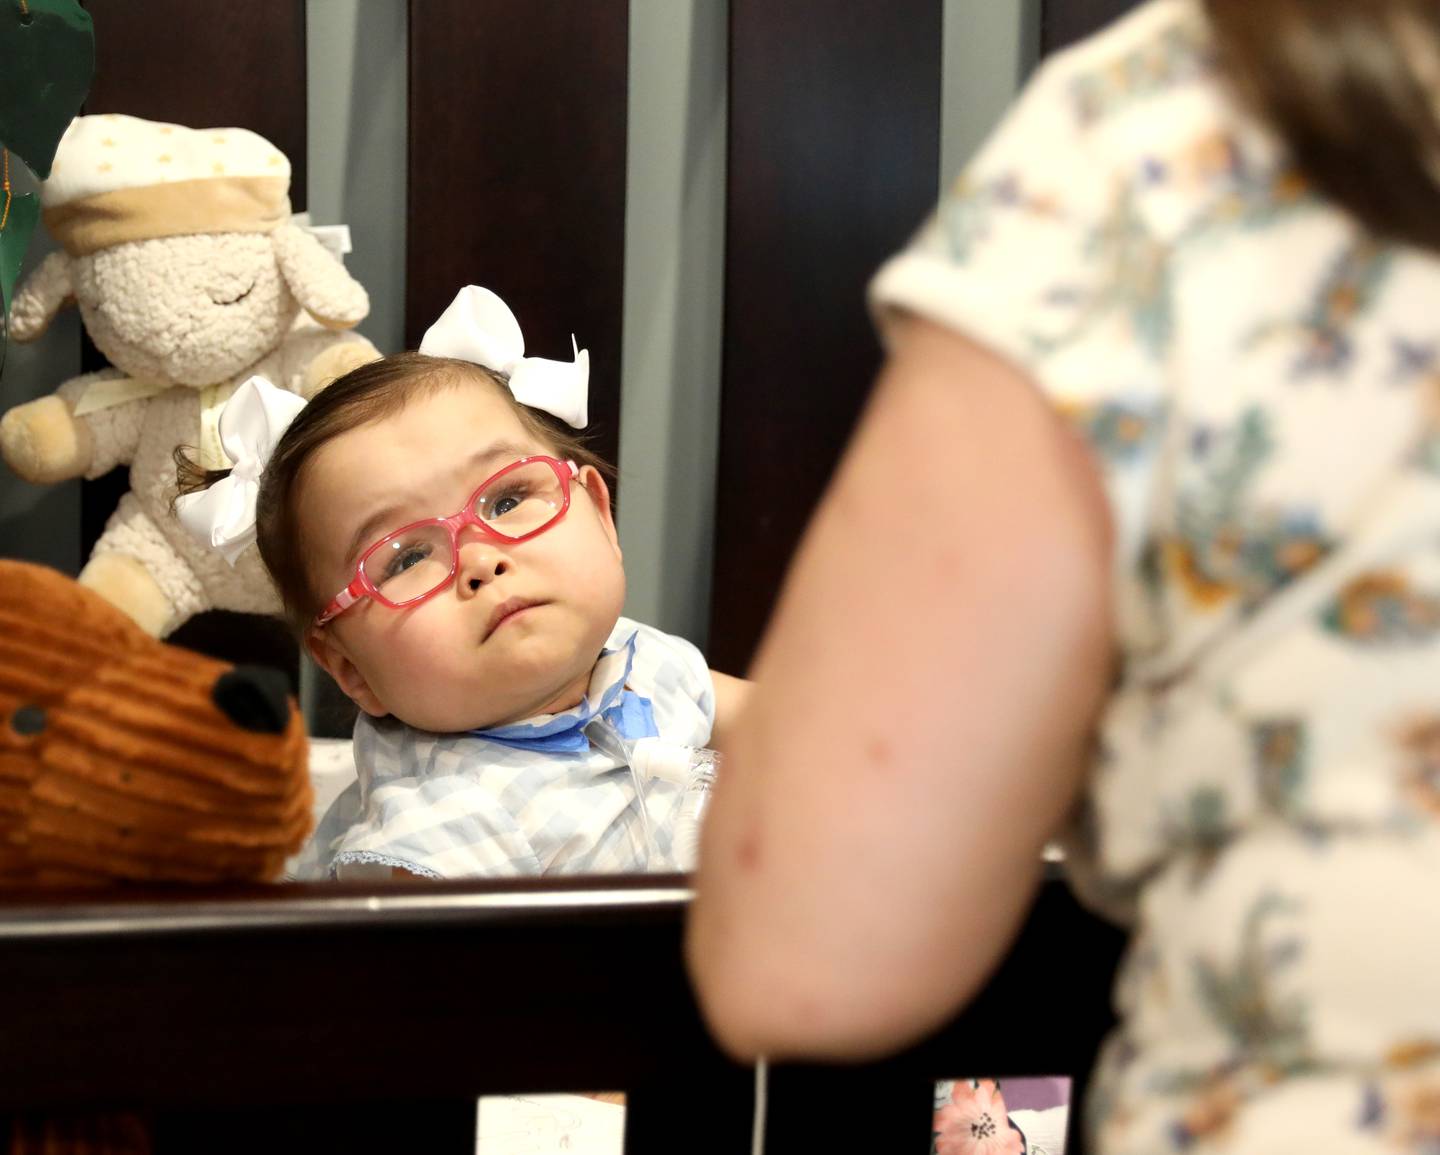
x=405 y=557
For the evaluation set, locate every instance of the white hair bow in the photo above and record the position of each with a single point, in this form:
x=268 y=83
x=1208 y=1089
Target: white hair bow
x=480 y=328
x=477 y=327
x=251 y=425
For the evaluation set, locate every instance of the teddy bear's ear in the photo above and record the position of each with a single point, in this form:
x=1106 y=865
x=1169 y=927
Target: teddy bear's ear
x=43 y=294
x=319 y=281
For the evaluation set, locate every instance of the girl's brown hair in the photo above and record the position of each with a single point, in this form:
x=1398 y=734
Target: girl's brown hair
x=1353 y=86
x=369 y=393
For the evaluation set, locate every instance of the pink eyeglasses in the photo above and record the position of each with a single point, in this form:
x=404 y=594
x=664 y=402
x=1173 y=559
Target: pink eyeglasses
x=417 y=561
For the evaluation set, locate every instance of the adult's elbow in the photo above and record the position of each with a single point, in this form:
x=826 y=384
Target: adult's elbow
x=761 y=1000
x=765 y=1016
x=735 y=991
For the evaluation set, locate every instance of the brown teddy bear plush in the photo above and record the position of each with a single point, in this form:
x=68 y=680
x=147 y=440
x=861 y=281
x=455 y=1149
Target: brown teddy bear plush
x=123 y=759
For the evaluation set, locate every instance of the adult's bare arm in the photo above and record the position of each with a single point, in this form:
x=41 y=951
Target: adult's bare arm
x=922 y=704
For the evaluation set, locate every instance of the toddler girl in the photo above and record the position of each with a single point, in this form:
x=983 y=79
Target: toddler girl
x=448 y=551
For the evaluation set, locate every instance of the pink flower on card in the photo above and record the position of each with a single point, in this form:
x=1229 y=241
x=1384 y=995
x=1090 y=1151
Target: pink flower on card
x=975 y=1122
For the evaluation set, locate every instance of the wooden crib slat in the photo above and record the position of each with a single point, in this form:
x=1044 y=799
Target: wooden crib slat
x=204 y=66
x=517 y=174
x=218 y=66
x=833 y=161
x=1062 y=22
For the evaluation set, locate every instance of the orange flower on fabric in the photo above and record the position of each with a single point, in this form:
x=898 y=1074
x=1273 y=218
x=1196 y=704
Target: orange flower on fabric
x=975 y=1122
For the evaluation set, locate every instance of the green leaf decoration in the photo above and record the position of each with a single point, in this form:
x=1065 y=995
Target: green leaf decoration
x=14 y=237
x=48 y=50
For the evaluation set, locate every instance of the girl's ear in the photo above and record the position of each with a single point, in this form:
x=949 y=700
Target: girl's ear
x=330 y=656
x=594 y=484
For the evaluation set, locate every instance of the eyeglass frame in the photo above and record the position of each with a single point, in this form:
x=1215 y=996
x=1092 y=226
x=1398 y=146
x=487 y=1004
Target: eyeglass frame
x=361 y=586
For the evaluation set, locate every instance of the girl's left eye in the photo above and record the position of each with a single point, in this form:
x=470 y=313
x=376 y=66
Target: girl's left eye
x=507 y=502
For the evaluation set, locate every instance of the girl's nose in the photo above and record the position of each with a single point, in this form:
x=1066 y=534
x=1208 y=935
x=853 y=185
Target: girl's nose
x=478 y=564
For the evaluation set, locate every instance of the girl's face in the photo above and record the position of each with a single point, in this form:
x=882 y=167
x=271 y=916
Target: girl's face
x=458 y=661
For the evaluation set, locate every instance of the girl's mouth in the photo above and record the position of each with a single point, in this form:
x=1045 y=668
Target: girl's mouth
x=507 y=611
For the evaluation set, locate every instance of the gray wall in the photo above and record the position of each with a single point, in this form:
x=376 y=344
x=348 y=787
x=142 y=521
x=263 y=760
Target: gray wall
x=989 y=48
x=673 y=254
x=39 y=523
x=356 y=110
x=674 y=281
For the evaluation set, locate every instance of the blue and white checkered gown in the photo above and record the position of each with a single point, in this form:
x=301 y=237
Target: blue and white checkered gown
x=460 y=805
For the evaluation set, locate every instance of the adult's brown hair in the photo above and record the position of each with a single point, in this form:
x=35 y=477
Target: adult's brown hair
x=1353 y=86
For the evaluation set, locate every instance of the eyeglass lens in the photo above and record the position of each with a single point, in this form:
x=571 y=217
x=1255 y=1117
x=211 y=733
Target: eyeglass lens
x=517 y=503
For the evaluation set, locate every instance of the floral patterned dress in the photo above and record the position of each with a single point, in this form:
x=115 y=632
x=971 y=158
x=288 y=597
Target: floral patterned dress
x=1260 y=380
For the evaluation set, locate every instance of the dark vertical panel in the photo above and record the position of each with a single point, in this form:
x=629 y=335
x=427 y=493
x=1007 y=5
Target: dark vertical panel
x=428 y=1126
x=1065 y=21
x=212 y=65
x=657 y=1111
x=888 y=1107
x=833 y=161
x=517 y=174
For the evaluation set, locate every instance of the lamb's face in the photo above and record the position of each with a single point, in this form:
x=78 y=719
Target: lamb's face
x=192 y=310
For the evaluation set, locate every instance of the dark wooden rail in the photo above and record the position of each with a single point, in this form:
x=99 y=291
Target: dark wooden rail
x=339 y=1019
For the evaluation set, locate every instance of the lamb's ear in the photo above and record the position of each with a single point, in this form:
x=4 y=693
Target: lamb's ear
x=42 y=295
x=319 y=281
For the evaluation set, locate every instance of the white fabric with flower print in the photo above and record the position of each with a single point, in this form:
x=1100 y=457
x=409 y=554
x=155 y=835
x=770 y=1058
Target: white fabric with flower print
x=1259 y=381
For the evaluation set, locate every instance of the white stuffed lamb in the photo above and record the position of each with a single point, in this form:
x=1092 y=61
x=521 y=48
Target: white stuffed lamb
x=179 y=249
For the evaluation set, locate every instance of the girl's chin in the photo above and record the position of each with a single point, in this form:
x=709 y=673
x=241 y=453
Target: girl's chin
x=465 y=722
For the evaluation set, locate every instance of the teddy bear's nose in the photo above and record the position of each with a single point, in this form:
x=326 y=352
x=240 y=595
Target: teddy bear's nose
x=255 y=698
x=28 y=721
